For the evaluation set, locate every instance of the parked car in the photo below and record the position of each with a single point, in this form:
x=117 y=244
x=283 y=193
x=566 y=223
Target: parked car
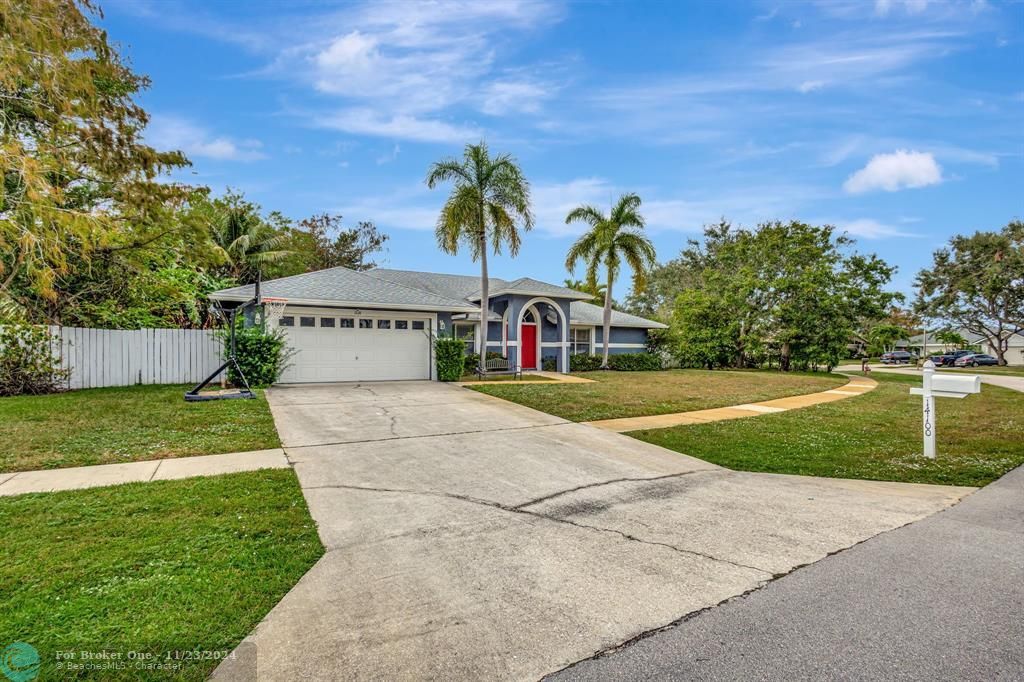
x=898 y=357
x=949 y=358
x=975 y=359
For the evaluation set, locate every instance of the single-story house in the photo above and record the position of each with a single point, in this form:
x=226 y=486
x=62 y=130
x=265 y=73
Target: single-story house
x=378 y=324
x=1014 y=348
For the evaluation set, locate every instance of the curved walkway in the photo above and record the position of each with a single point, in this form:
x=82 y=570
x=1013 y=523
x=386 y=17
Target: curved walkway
x=856 y=386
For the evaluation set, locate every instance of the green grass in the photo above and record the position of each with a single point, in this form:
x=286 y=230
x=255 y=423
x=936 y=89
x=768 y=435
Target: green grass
x=154 y=567
x=125 y=424
x=634 y=394
x=874 y=436
x=1008 y=370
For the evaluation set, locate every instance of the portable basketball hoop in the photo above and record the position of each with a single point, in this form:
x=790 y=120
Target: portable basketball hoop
x=273 y=310
x=243 y=391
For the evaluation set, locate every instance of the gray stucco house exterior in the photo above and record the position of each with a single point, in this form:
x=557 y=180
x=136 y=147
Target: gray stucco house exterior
x=378 y=324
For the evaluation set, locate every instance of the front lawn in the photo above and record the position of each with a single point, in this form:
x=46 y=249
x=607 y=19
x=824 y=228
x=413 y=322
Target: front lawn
x=635 y=394
x=151 y=567
x=874 y=436
x=125 y=424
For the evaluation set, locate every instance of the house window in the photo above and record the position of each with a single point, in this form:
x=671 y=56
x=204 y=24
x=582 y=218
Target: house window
x=401 y=324
x=347 y=323
x=418 y=324
x=467 y=332
x=579 y=340
x=326 y=321
x=365 y=323
x=383 y=324
x=286 y=321
x=307 y=321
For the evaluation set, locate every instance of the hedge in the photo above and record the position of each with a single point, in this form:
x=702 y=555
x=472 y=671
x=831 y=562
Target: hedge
x=584 y=363
x=472 y=360
x=449 y=353
x=634 y=362
x=262 y=355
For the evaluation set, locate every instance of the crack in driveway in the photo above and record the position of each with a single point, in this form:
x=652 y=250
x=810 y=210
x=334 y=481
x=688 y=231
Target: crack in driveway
x=520 y=510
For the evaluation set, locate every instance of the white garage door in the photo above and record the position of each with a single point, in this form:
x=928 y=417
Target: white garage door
x=368 y=347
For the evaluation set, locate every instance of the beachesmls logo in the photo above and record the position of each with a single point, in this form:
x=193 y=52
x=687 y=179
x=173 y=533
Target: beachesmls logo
x=20 y=662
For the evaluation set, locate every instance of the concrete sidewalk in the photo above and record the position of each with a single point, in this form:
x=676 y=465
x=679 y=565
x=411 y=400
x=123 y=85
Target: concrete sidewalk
x=51 y=480
x=856 y=386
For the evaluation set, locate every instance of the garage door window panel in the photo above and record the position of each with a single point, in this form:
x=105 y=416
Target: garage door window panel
x=365 y=323
x=401 y=324
x=383 y=324
x=346 y=323
x=307 y=321
x=326 y=321
x=286 y=321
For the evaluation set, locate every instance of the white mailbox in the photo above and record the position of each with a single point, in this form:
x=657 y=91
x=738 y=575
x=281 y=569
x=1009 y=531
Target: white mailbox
x=940 y=386
x=946 y=386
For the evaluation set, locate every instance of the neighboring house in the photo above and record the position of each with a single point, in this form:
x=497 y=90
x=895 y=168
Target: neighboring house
x=359 y=326
x=1014 y=353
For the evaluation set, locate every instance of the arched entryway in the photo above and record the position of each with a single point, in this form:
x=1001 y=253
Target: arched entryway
x=528 y=325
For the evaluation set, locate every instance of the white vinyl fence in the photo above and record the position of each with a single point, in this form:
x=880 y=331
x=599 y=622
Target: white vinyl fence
x=124 y=357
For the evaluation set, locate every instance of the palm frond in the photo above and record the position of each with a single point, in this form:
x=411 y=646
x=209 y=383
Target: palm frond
x=585 y=214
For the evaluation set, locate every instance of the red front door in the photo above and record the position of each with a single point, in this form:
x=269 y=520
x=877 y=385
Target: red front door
x=528 y=347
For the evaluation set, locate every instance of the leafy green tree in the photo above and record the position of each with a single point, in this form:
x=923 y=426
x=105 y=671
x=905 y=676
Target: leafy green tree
x=612 y=239
x=784 y=291
x=951 y=339
x=884 y=336
x=77 y=180
x=489 y=203
x=977 y=284
x=333 y=245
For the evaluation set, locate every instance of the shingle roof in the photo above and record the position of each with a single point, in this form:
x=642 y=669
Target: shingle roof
x=344 y=286
x=384 y=287
x=581 y=312
x=530 y=286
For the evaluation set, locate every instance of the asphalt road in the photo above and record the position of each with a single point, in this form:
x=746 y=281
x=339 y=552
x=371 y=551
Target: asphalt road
x=940 y=599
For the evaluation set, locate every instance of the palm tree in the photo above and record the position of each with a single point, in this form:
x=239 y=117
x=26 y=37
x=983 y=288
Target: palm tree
x=593 y=288
x=610 y=240
x=245 y=241
x=489 y=201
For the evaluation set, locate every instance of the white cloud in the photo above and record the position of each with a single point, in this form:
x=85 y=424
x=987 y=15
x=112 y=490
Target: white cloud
x=810 y=86
x=748 y=206
x=868 y=228
x=891 y=172
x=173 y=132
x=364 y=121
x=506 y=97
x=399 y=67
x=883 y=7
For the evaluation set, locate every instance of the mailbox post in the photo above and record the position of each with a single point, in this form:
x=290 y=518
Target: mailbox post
x=932 y=387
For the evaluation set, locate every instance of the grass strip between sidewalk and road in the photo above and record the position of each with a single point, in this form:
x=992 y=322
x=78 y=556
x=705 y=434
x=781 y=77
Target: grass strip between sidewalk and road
x=175 y=566
x=635 y=394
x=126 y=424
x=874 y=436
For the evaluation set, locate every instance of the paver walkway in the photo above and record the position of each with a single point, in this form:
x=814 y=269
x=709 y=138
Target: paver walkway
x=74 y=478
x=856 y=386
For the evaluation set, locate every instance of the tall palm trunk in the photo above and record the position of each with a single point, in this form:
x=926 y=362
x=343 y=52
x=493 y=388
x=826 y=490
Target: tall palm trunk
x=484 y=295
x=607 y=326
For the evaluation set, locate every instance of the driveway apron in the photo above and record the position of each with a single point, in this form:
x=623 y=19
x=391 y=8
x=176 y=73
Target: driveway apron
x=472 y=538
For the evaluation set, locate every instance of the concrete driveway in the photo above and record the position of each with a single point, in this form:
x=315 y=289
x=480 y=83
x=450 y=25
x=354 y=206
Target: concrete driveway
x=471 y=538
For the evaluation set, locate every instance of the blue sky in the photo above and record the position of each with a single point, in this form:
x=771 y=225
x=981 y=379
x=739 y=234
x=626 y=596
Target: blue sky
x=901 y=122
